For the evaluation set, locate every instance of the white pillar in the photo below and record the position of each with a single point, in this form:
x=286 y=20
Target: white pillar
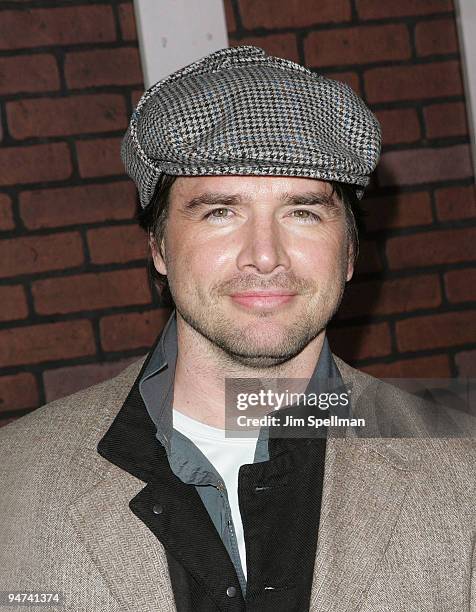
x=174 y=33
x=466 y=20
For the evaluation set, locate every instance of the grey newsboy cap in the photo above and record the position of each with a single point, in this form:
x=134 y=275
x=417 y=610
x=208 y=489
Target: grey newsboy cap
x=241 y=111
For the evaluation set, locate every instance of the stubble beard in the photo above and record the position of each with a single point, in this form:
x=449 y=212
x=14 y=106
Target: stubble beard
x=247 y=347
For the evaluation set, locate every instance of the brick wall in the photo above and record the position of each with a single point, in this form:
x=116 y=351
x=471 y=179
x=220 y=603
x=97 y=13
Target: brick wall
x=75 y=303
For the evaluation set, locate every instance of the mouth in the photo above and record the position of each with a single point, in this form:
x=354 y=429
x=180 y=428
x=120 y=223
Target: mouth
x=263 y=299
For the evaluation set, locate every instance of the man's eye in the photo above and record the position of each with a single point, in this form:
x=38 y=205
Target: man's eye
x=219 y=214
x=306 y=216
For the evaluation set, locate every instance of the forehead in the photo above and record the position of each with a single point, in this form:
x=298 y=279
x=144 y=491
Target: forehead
x=248 y=187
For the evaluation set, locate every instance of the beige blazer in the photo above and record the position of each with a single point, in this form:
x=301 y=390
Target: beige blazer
x=397 y=530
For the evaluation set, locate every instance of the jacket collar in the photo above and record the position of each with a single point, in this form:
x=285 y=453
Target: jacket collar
x=130 y=441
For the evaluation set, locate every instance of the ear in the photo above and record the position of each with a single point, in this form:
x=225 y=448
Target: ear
x=350 y=262
x=158 y=259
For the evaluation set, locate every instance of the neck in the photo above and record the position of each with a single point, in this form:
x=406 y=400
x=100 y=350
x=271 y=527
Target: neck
x=201 y=369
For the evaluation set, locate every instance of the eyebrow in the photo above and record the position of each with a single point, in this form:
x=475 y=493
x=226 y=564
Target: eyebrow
x=309 y=198
x=212 y=199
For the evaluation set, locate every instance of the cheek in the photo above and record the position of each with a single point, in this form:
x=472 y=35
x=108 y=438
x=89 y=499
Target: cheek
x=325 y=255
x=198 y=262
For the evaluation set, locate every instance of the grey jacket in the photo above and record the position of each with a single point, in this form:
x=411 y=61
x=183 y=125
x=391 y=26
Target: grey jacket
x=397 y=531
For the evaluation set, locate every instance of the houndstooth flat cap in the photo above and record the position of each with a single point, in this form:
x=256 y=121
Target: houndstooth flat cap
x=241 y=111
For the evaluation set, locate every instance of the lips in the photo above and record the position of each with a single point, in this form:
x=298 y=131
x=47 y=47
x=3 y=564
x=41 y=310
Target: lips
x=263 y=299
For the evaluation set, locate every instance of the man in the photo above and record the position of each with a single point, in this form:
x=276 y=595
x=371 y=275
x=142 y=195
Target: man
x=128 y=495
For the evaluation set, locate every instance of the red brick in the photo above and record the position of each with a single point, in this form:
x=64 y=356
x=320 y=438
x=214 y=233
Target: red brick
x=49 y=342
x=127 y=21
x=399 y=295
x=357 y=45
x=405 y=209
x=132 y=331
x=6 y=213
x=456 y=203
x=432 y=248
x=75 y=205
x=65 y=116
x=280 y=45
x=461 y=286
x=392 y=83
x=44 y=162
x=369 y=259
x=91 y=291
x=399 y=125
x=99 y=157
x=57 y=26
x=65 y=381
x=420 y=367
x=350 y=78
x=117 y=244
x=18 y=392
x=33 y=254
x=13 y=301
x=466 y=363
x=103 y=67
x=443 y=120
x=25 y=73
x=229 y=16
x=293 y=13
x=436 y=37
x=425 y=165
x=436 y=331
x=376 y=9
x=362 y=342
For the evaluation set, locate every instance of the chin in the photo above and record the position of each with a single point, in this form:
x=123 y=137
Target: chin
x=262 y=347
x=265 y=333
x=259 y=354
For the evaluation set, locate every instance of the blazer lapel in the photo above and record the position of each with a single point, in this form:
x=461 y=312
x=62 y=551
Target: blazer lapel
x=362 y=498
x=121 y=451
x=130 y=558
x=365 y=484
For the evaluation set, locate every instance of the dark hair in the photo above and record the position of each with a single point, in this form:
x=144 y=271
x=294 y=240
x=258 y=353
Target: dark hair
x=354 y=214
x=153 y=219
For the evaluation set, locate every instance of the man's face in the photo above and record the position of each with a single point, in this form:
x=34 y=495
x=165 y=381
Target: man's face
x=257 y=265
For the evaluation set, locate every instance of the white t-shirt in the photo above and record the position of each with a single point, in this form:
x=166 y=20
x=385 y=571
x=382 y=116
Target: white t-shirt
x=226 y=455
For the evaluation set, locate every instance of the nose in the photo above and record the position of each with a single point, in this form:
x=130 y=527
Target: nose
x=263 y=245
